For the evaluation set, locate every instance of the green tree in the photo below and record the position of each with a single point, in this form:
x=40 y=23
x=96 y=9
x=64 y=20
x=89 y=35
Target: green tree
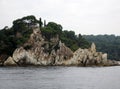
x=51 y=29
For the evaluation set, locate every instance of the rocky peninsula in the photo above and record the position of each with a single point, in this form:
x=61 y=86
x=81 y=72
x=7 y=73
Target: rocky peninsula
x=28 y=42
x=55 y=53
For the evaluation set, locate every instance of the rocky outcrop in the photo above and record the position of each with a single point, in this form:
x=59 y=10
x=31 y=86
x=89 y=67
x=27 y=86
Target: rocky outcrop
x=89 y=57
x=38 y=51
x=10 y=62
x=38 y=55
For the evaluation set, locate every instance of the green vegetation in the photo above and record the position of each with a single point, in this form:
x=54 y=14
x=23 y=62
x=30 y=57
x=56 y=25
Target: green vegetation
x=107 y=43
x=68 y=37
x=73 y=41
x=19 y=33
x=51 y=29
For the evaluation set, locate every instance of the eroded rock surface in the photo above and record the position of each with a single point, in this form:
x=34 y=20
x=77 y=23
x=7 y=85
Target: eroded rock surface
x=38 y=51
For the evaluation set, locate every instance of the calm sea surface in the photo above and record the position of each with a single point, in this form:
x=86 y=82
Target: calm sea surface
x=60 y=77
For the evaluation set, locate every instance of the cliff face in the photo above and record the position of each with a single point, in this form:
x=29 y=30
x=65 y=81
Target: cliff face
x=38 y=51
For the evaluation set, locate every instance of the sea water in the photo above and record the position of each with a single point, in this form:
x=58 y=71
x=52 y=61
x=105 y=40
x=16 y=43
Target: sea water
x=60 y=77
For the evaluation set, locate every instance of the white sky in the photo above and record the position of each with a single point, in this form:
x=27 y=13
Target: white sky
x=81 y=16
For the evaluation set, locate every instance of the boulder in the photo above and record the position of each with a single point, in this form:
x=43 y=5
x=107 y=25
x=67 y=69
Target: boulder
x=104 y=56
x=10 y=62
x=19 y=54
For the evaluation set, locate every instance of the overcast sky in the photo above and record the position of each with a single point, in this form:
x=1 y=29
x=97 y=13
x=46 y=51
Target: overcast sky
x=81 y=16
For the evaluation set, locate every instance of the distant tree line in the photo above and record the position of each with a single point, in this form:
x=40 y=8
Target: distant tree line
x=19 y=33
x=107 y=43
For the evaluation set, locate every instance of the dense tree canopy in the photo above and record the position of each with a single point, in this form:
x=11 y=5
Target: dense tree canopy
x=51 y=29
x=68 y=37
x=73 y=41
x=17 y=35
x=24 y=24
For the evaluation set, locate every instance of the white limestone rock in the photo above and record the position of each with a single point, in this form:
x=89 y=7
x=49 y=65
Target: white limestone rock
x=93 y=47
x=10 y=62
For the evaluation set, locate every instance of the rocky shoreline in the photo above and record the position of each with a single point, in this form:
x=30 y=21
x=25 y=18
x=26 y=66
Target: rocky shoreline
x=39 y=52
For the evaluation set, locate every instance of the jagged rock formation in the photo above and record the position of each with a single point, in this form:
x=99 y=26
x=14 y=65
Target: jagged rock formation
x=89 y=57
x=38 y=51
